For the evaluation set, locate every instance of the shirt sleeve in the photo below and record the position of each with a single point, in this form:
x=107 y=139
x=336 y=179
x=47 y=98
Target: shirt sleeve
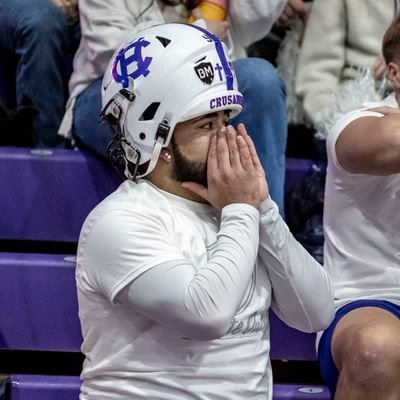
x=135 y=260
x=322 y=57
x=302 y=293
x=105 y=24
x=338 y=128
x=252 y=20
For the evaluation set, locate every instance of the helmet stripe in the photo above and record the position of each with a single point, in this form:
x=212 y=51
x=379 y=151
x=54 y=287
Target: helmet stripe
x=221 y=54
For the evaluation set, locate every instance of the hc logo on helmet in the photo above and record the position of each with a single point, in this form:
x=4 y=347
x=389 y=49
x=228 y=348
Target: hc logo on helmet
x=125 y=63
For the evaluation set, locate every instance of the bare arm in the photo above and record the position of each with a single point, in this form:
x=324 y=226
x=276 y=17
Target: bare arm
x=293 y=8
x=371 y=145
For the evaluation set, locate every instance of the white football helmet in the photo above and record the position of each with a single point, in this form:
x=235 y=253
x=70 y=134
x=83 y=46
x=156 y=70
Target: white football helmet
x=158 y=77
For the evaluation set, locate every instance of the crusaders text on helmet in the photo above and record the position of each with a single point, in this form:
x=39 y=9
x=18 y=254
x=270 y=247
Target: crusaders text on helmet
x=158 y=77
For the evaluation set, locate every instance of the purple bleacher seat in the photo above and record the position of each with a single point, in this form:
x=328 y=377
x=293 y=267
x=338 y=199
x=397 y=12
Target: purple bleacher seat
x=297 y=169
x=46 y=195
x=38 y=300
x=300 y=392
x=43 y=387
x=39 y=309
x=290 y=344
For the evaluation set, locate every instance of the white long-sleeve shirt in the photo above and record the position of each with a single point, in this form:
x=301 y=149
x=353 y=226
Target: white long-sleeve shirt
x=173 y=296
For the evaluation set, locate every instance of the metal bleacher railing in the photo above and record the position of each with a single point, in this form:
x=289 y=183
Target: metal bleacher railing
x=44 y=199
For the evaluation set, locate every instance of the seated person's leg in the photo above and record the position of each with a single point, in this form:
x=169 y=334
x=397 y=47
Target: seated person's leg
x=37 y=32
x=87 y=129
x=359 y=354
x=264 y=115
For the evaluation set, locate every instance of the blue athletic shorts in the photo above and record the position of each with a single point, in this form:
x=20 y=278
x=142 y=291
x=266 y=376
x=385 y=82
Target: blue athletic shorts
x=329 y=372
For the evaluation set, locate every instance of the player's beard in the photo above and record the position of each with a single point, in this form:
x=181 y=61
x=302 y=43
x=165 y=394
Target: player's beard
x=186 y=170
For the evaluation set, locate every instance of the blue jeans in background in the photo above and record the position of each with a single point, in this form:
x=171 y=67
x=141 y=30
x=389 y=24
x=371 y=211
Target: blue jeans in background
x=37 y=40
x=264 y=115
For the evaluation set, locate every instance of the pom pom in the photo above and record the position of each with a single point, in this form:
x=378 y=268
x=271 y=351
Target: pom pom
x=287 y=59
x=351 y=96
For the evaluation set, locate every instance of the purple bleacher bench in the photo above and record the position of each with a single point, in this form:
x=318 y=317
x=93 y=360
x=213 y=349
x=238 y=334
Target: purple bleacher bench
x=45 y=387
x=40 y=312
x=39 y=309
x=42 y=387
x=297 y=169
x=46 y=195
x=300 y=392
x=290 y=344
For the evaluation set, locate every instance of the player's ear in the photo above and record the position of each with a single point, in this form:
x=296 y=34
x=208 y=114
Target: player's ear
x=393 y=75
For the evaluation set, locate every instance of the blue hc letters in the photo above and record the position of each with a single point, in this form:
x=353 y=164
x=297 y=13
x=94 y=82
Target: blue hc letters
x=125 y=62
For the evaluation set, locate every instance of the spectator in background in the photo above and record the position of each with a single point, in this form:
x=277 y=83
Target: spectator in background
x=38 y=37
x=342 y=38
x=105 y=23
x=360 y=351
x=177 y=269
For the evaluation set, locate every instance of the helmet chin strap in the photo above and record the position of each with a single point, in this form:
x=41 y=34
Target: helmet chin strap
x=156 y=154
x=162 y=135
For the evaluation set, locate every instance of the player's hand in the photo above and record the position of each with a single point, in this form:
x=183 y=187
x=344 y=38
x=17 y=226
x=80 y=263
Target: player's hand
x=231 y=173
x=263 y=185
x=69 y=8
x=217 y=28
x=292 y=8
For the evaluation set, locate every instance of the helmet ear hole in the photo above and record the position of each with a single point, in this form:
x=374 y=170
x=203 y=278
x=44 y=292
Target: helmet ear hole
x=149 y=112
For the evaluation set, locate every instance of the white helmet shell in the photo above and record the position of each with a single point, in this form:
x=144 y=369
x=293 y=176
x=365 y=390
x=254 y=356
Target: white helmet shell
x=163 y=75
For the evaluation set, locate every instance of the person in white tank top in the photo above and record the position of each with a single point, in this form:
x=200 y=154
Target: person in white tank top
x=359 y=353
